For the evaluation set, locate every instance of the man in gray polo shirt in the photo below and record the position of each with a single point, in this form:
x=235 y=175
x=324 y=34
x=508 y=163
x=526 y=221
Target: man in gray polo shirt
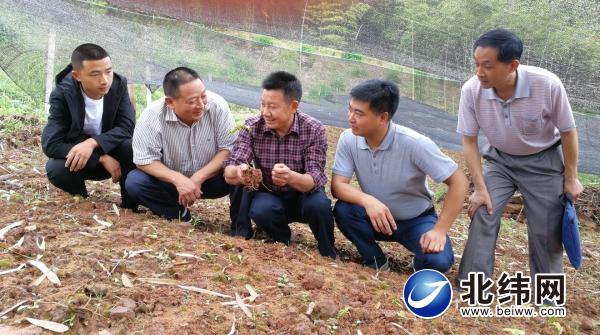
x=391 y=163
x=179 y=146
x=525 y=115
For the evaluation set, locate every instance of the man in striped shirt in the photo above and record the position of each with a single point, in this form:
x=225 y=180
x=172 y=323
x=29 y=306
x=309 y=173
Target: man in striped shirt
x=525 y=115
x=289 y=147
x=179 y=146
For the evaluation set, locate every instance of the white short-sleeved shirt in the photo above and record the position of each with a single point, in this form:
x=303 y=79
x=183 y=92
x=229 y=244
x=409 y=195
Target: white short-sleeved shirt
x=396 y=173
x=527 y=123
x=160 y=136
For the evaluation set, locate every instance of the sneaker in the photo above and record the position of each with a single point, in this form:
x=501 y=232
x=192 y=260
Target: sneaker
x=185 y=216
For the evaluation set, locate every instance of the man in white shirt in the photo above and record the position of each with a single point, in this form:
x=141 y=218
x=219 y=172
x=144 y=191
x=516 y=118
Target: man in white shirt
x=179 y=147
x=89 y=130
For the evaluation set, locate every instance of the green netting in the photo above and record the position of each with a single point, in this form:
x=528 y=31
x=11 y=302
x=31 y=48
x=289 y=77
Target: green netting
x=424 y=46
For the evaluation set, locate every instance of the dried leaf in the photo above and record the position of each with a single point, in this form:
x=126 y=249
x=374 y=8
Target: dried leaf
x=31 y=227
x=234 y=303
x=182 y=254
x=6 y=311
x=103 y=267
x=38 y=280
x=12 y=270
x=253 y=294
x=233 y=331
x=201 y=290
x=241 y=304
x=40 y=241
x=18 y=244
x=125 y=280
x=53 y=326
x=514 y=331
x=131 y=254
x=42 y=267
x=116 y=210
x=399 y=326
x=5 y=230
x=86 y=234
x=558 y=327
x=101 y=222
x=158 y=281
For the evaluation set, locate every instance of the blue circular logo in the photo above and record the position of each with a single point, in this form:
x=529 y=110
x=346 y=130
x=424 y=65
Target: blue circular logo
x=427 y=294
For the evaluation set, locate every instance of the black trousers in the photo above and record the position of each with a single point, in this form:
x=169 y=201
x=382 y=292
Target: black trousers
x=74 y=182
x=162 y=197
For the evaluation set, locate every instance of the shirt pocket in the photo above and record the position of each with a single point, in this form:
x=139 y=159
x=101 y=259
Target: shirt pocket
x=530 y=123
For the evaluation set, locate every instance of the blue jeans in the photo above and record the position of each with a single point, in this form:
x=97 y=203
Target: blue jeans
x=273 y=212
x=354 y=223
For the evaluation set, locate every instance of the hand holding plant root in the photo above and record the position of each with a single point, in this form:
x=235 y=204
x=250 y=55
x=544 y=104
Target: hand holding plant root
x=250 y=177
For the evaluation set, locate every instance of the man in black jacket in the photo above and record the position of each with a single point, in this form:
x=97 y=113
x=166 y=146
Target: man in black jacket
x=89 y=130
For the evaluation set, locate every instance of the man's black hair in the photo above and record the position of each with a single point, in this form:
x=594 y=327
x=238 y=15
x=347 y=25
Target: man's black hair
x=508 y=44
x=281 y=80
x=382 y=95
x=177 y=77
x=87 y=51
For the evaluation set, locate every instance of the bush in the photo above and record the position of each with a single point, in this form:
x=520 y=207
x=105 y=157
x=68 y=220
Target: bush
x=264 y=40
x=352 y=56
x=307 y=49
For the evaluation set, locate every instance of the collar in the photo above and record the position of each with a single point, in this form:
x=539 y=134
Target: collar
x=385 y=144
x=172 y=117
x=295 y=128
x=169 y=113
x=521 y=90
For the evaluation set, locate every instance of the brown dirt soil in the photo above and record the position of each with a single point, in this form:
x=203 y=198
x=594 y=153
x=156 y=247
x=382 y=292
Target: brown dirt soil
x=91 y=261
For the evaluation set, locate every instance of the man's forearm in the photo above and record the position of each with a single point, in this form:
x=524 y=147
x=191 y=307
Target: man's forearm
x=458 y=186
x=231 y=176
x=473 y=160
x=212 y=168
x=301 y=182
x=161 y=172
x=570 y=148
x=348 y=193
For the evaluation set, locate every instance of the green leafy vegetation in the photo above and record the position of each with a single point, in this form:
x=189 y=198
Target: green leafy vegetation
x=264 y=40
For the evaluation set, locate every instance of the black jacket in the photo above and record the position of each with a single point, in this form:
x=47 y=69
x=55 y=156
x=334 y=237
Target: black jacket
x=67 y=115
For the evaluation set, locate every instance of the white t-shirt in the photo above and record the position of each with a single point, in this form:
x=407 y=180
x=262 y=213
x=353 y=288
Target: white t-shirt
x=93 y=115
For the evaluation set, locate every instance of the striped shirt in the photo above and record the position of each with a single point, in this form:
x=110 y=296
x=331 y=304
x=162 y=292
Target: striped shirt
x=303 y=149
x=160 y=136
x=527 y=123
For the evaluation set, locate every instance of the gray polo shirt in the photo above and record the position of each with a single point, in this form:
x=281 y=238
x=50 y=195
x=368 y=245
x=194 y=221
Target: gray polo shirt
x=527 y=123
x=396 y=172
x=160 y=136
